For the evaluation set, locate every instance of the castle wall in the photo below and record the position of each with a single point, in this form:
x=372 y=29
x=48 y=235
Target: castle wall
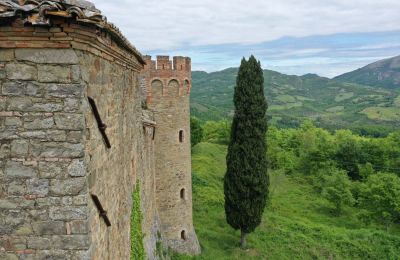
x=52 y=155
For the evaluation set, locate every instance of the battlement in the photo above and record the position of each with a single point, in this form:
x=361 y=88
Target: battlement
x=178 y=63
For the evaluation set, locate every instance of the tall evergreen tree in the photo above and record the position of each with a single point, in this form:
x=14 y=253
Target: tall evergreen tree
x=246 y=180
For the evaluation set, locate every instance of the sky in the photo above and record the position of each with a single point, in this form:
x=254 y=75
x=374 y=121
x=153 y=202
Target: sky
x=325 y=37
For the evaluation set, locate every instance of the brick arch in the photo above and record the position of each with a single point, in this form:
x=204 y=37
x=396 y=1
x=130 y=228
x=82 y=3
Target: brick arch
x=174 y=87
x=157 y=88
x=186 y=86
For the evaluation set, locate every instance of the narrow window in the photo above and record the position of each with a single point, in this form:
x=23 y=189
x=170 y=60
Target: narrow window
x=181 y=137
x=183 y=194
x=183 y=235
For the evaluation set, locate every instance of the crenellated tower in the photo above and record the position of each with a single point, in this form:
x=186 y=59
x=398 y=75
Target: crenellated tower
x=167 y=87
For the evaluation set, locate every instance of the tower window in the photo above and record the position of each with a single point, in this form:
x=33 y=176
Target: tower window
x=181 y=136
x=183 y=235
x=183 y=195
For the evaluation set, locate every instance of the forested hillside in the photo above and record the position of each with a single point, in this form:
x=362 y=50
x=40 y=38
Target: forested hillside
x=383 y=73
x=330 y=103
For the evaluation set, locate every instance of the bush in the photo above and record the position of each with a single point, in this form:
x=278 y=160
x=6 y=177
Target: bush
x=137 y=248
x=337 y=189
x=380 y=195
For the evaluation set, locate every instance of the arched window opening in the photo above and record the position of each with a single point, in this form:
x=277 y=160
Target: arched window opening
x=183 y=235
x=181 y=136
x=183 y=195
x=173 y=88
x=187 y=86
x=157 y=88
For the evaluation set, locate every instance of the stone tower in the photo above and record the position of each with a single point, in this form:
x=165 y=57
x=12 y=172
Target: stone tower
x=167 y=85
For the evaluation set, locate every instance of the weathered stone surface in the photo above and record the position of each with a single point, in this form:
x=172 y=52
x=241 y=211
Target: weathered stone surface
x=50 y=169
x=13 y=88
x=47 y=107
x=13 y=121
x=8 y=134
x=21 y=71
x=18 y=170
x=17 y=188
x=80 y=200
x=39 y=187
x=65 y=90
x=19 y=147
x=40 y=242
x=71 y=186
x=69 y=121
x=72 y=242
x=39 y=123
x=57 y=149
x=33 y=134
x=79 y=227
x=6 y=54
x=77 y=169
x=49 y=228
x=34 y=90
x=19 y=104
x=56 y=135
x=75 y=136
x=54 y=56
x=56 y=74
x=5 y=150
x=68 y=213
x=71 y=105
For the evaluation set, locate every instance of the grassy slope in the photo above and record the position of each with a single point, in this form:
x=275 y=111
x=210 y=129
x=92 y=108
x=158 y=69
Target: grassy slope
x=297 y=223
x=294 y=97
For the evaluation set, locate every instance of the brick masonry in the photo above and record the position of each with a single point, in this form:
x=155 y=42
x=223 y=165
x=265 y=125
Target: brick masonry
x=53 y=156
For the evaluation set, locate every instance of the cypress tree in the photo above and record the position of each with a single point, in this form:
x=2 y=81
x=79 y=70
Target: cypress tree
x=246 y=180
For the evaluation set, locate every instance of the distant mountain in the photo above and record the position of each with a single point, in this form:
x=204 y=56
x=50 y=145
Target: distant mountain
x=383 y=73
x=291 y=99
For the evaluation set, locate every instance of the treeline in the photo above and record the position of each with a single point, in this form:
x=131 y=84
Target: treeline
x=346 y=168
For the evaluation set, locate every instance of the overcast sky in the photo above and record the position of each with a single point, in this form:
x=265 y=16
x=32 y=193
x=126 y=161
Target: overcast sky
x=327 y=37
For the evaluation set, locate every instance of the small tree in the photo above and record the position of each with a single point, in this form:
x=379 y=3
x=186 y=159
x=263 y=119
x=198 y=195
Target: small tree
x=246 y=181
x=380 y=195
x=337 y=189
x=196 y=131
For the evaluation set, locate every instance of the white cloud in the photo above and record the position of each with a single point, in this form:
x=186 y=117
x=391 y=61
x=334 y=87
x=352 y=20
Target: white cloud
x=156 y=24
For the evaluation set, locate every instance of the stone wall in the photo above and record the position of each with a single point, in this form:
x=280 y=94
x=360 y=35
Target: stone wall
x=43 y=185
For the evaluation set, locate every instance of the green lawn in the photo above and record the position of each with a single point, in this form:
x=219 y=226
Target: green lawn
x=297 y=224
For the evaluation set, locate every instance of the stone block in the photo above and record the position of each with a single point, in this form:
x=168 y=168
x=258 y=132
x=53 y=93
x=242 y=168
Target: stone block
x=33 y=134
x=55 y=56
x=71 y=104
x=71 y=242
x=18 y=170
x=46 y=107
x=34 y=90
x=21 y=71
x=80 y=200
x=40 y=243
x=39 y=187
x=54 y=74
x=50 y=169
x=77 y=169
x=5 y=150
x=13 y=121
x=19 y=104
x=17 y=188
x=56 y=135
x=69 y=121
x=79 y=227
x=19 y=147
x=49 y=228
x=71 y=186
x=13 y=88
x=65 y=90
x=8 y=134
x=75 y=136
x=57 y=150
x=39 y=123
x=68 y=213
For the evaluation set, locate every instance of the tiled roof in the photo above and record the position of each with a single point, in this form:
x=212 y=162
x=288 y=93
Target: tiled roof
x=39 y=12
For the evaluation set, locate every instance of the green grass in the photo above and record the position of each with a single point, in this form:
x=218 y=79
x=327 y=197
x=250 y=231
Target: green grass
x=343 y=96
x=297 y=224
x=397 y=101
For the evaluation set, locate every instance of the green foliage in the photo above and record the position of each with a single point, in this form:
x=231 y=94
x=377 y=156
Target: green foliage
x=337 y=189
x=380 y=194
x=137 y=248
x=246 y=180
x=217 y=132
x=297 y=225
x=196 y=131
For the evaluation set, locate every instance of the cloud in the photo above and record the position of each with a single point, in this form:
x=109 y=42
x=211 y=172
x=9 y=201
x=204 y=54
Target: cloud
x=155 y=24
x=287 y=35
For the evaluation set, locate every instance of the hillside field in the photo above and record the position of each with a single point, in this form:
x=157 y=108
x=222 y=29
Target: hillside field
x=298 y=223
